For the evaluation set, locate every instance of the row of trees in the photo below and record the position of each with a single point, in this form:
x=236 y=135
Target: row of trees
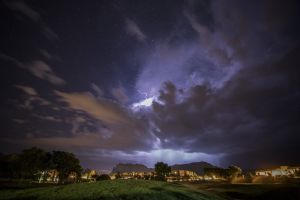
x=93 y=175
x=229 y=173
x=30 y=163
x=162 y=170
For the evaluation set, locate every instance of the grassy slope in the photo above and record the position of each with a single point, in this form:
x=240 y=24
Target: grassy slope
x=251 y=191
x=111 y=190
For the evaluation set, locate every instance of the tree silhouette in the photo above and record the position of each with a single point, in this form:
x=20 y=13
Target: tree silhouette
x=65 y=163
x=162 y=170
x=32 y=161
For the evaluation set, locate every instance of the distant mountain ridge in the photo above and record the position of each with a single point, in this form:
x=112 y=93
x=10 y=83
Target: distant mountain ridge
x=197 y=167
x=128 y=167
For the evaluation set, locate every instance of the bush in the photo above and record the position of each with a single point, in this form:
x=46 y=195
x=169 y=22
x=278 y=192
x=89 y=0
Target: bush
x=103 y=177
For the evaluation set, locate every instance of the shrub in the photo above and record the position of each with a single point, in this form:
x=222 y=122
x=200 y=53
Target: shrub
x=103 y=177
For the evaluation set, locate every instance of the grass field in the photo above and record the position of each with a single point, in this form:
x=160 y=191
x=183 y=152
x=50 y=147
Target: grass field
x=250 y=191
x=153 y=190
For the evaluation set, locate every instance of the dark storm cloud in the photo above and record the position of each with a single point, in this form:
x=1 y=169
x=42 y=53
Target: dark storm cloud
x=237 y=34
x=187 y=60
x=255 y=112
x=255 y=108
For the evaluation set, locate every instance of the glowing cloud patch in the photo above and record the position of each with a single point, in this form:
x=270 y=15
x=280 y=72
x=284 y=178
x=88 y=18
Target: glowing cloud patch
x=144 y=103
x=169 y=156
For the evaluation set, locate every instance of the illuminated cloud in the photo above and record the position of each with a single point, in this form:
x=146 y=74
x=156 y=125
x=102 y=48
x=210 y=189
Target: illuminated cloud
x=120 y=95
x=143 y=103
x=170 y=156
x=97 y=90
x=102 y=110
x=234 y=118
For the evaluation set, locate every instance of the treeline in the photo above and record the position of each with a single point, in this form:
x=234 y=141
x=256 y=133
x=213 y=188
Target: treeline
x=34 y=162
x=230 y=172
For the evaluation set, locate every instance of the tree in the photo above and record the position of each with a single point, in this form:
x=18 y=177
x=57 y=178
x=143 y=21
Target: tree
x=87 y=172
x=103 y=177
x=234 y=171
x=10 y=166
x=32 y=161
x=230 y=172
x=215 y=172
x=162 y=170
x=65 y=163
x=118 y=175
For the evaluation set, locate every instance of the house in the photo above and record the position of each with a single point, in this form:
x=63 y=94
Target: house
x=183 y=175
x=278 y=171
x=175 y=175
x=49 y=176
x=89 y=175
x=133 y=175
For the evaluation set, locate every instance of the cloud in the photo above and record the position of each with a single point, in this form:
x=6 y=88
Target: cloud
x=102 y=110
x=48 y=32
x=32 y=96
x=21 y=7
x=184 y=64
x=28 y=90
x=119 y=94
x=217 y=51
x=170 y=156
x=118 y=138
x=206 y=57
x=19 y=121
x=213 y=45
x=38 y=68
x=202 y=30
x=97 y=90
x=221 y=85
x=12 y=60
x=48 y=118
x=82 y=122
x=254 y=112
x=113 y=126
x=133 y=30
x=83 y=140
x=43 y=71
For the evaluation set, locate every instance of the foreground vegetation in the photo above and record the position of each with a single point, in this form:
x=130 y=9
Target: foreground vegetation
x=118 y=189
x=35 y=163
x=144 y=190
x=270 y=191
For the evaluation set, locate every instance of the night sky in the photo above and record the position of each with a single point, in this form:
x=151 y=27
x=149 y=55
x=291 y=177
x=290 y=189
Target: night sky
x=152 y=80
